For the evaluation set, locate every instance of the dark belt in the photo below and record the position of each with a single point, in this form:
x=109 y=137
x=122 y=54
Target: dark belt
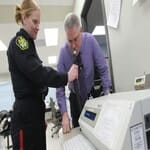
x=30 y=96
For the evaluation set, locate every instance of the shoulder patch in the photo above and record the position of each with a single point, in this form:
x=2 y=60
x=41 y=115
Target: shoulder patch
x=22 y=43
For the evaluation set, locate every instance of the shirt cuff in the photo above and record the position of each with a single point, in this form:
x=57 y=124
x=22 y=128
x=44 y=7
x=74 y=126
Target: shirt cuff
x=106 y=92
x=63 y=109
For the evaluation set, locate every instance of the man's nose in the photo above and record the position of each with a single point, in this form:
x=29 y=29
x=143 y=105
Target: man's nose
x=38 y=28
x=73 y=45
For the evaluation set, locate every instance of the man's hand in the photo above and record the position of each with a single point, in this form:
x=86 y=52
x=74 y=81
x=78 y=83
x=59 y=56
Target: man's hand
x=66 y=123
x=73 y=73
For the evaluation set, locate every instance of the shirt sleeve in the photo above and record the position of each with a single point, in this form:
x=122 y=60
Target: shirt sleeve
x=60 y=92
x=100 y=62
x=28 y=63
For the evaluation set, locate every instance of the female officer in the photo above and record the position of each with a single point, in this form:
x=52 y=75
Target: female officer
x=30 y=80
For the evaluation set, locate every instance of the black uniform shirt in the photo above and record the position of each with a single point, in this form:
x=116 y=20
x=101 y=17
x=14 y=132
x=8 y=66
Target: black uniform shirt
x=29 y=76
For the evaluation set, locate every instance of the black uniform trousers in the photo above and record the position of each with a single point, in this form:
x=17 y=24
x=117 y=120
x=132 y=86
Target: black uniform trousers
x=74 y=108
x=28 y=125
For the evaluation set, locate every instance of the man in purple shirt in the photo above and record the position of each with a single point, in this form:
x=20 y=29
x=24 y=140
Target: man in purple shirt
x=85 y=46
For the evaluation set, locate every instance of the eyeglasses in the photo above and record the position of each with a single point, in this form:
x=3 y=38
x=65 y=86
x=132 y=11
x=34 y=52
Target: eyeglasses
x=75 y=39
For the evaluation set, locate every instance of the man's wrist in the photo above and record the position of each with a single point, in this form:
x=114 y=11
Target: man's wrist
x=106 y=92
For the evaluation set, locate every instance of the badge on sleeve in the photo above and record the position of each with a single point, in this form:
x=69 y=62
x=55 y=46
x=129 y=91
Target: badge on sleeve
x=22 y=43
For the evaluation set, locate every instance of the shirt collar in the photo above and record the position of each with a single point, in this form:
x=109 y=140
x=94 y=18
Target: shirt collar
x=25 y=34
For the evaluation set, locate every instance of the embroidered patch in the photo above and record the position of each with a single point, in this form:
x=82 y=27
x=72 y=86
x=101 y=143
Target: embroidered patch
x=22 y=43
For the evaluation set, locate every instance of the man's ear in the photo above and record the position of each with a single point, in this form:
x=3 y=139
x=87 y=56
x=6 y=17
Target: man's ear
x=81 y=29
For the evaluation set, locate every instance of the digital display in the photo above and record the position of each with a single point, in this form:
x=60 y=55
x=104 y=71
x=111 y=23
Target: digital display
x=90 y=115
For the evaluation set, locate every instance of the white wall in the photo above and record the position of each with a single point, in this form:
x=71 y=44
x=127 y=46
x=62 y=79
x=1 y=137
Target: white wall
x=78 y=5
x=130 y=43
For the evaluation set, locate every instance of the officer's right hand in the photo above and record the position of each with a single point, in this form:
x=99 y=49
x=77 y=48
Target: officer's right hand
x=65 y=123
x=73 y=73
